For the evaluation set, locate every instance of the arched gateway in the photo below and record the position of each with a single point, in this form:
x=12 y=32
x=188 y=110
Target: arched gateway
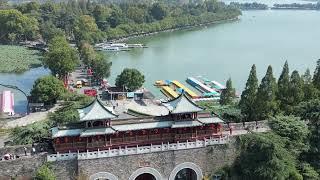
x=103 y=176
x=146 y=170
x=186 y=165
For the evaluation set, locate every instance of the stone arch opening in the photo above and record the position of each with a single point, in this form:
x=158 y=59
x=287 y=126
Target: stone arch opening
x=145 y=176
x=186 y=174
x=145 y=172
x=103 y=176
x=188 y=170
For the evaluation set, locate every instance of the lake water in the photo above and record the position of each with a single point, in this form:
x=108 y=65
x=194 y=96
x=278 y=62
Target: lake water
x=229 y=49
x=23 y=81
x=217 y=52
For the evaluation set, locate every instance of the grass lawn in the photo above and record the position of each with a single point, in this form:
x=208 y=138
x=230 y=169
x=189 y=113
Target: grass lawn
x=18 y=59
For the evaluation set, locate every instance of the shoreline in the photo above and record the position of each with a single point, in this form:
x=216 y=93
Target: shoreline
x=172 y=30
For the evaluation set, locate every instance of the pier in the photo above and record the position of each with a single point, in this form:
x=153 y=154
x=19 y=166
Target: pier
x=207 y=91
x=169 y=92
x=190 y=93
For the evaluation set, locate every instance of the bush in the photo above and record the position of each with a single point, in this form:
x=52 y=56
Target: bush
x=45 y=173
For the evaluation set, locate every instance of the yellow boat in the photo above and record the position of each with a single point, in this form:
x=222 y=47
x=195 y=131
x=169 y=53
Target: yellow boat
x=187 y=90
x=169 y=92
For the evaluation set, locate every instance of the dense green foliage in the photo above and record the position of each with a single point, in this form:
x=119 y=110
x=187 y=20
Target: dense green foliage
x=30 y=134
x=228 y=95
x=265 y=157
x=16 y=26
x=45 y=172
x=47 y=90
x=61 y=59
x=283 y=94
x=94 y=60
x=316 y=76
x=294 y=130
x=86 y=29
x=130 y=78
x=94 y=20
x=266 y=104
x=18 y=59
x=68 y=112
x=249 y=96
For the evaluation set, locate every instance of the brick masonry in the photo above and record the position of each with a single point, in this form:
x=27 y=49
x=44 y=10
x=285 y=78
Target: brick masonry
x=209 y=159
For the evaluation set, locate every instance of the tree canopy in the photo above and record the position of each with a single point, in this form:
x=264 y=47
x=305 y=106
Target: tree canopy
x=283 y=88
x=266 y=102
x=130 y=78
x=228 y=94
x=17 y=26
x=47 y=90
x=61 y=59
x=264 y=156
x=249 y=95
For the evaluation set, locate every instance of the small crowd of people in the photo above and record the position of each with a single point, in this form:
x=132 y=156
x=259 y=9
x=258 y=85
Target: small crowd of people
x=10 y=156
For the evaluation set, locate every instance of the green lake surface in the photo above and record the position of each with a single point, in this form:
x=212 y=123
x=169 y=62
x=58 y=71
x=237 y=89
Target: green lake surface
x=229 y=49
x=217 y=52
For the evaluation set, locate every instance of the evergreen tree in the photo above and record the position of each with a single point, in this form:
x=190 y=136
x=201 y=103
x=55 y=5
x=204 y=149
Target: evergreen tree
x=283 y=95
x=295 y=91
x=316 y=76
x=227 y=94
x=310 y=92
x=266 y=102
x=249 y=95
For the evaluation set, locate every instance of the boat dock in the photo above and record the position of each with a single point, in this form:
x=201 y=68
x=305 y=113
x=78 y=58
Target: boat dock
x=207 y=91
x=169 y=92
x=213 y=84
x=192 y=94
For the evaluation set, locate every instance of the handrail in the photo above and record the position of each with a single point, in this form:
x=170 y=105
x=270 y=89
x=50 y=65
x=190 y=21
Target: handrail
x=138 y=149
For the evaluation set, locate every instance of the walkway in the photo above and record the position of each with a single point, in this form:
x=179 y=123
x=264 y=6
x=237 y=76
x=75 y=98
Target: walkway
x=29 y=119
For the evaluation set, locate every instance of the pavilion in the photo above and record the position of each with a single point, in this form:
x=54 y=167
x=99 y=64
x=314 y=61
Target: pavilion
x=99 y=128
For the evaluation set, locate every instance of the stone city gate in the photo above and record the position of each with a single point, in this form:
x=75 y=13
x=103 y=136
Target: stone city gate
x=153 y=172
x=161 y=165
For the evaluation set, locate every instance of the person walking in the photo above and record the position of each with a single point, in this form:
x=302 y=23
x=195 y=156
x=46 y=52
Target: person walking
x=25 y=151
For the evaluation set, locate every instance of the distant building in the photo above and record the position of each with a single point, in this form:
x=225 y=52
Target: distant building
x=7 y=103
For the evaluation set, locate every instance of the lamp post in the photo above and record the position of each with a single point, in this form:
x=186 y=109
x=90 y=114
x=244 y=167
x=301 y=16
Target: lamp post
x=16 y=88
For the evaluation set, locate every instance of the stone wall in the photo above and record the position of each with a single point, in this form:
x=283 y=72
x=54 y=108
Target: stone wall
x=22 y=168
x=209 y=159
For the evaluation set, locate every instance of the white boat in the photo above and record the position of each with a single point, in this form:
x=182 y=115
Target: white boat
x=109 y=48
x=136 y=46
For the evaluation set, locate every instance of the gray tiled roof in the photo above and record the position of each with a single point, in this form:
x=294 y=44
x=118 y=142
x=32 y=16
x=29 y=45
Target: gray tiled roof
x=182 y=104
x=95 y=111
x=94 y=132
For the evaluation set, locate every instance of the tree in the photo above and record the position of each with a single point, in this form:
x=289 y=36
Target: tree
x=295 y=92
x=13 y=21
x=130 y=78
x=61 y=59
x=30 y=134
x=316 y=76
x=310 y=92
x=47 y=90
x=158 y=11
x=249 y=95
x=266 y=103
x=283 y=88
x=86 y=29
x=264 y=156
x=294 y=129
x=101 y=67
x=228 y=94
x=49 y=31
x=87 y=53
x=136 y=14
x=310 y=111
x=45 y=173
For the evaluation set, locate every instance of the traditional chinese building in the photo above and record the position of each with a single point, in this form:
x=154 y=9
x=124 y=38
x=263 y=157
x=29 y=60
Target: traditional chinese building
x=99 y=128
